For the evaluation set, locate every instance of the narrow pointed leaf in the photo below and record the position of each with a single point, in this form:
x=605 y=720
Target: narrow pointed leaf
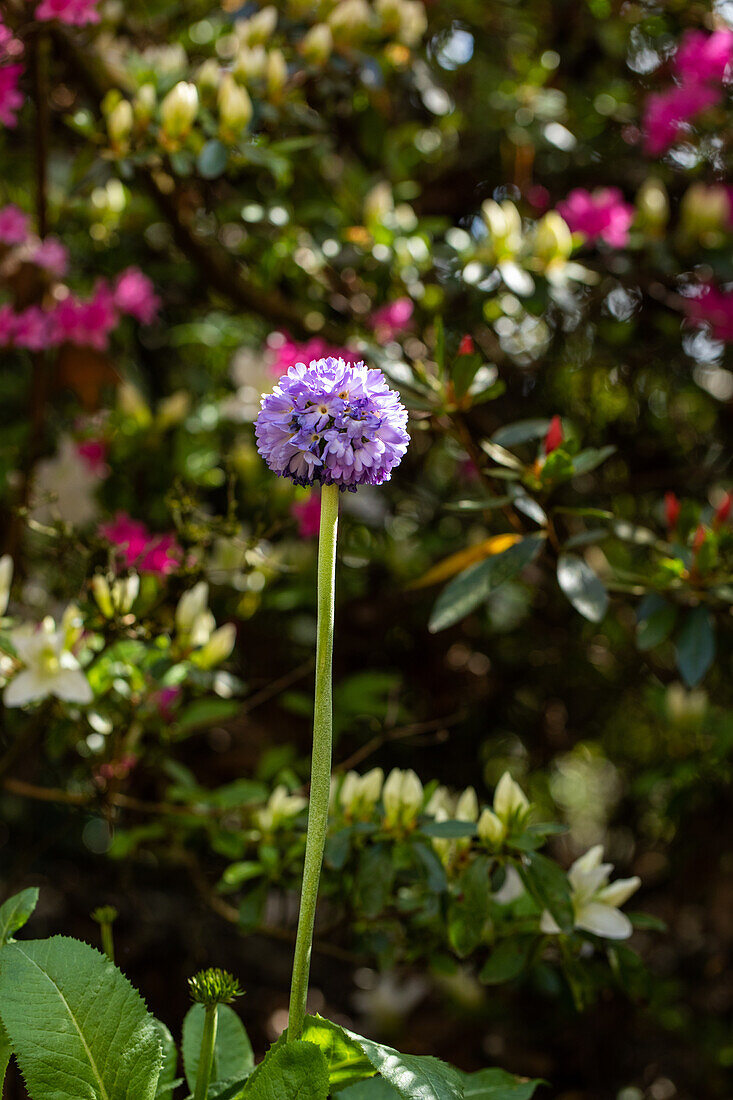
x=15 y=912
x=582 y=587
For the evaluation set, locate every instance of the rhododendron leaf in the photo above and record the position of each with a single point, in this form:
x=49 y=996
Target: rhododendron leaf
x=696 y=646
x=448 y=830
x=461 y=560
x=589 y=459
x=468 y=912
x=507 y=960
x=233 y=1057
x=76 y=1025
x=521 y=431
x=582 y=586
x=16 y=911
x=212 y=160
x=655 y=621
x=548 y=885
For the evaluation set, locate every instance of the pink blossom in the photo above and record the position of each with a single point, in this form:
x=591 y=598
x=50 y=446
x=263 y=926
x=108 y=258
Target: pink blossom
x=87 y=324
x=11 y=99
x=390 y=320
x=704 y=58
x=714 y=307
x=94 y=453
x=308 y=514
x=166 y=700
x=598 y=215
x=13 y=225
x=72 y=12
x=10 y=46
x=33 y=329
x=52 y=256
x=287 y=351
x=667 y=113
x=159 y=554
x=134 y=294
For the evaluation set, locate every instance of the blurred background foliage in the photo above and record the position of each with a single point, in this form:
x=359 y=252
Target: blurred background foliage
x=359 y=182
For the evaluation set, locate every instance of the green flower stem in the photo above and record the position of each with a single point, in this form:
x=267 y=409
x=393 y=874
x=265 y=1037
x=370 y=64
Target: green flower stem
x=108 y=942
x=320 y=790
x=206 y=1057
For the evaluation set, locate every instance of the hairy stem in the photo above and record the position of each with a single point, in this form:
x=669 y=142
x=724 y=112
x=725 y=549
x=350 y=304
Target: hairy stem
x=321 y=761
x=206 y=1057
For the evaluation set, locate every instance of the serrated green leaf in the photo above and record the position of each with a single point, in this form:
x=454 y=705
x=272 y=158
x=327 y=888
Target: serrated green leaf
x=696 y=646
x=290 y=1071
x=76 y=1025
x=415 y=1077
x=375 y=1088
x=170 y=1060
x=582 y=587
x=476 y=583
x=15 y=912
x=5 y=1053
x=233 y=1057
x=345 y=1060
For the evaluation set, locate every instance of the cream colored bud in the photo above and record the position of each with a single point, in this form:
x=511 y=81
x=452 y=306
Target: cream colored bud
x=72 y=626
x=259 y=28
x=553 y=241
x=402 y=795
x=440 y=802
x=413 y=22
x=132 y=403
x=317 y=45
x=371 y=786
x=218 y=647
x=190 y=606
x=102 y=595
x=504 y=224
x=124 y=593
x=467 y=806
x=235 y=108
x=119 y=125
x=491 y=829
x=390 y=18
x=349 y=21
x=652 y=203
x=349 y=791
x=511 y=805
x=144 y=104
x=179 y=109
x=6 y=580
x=208 y=78
x=250 y=65
x=705 y=211
x=277 y=73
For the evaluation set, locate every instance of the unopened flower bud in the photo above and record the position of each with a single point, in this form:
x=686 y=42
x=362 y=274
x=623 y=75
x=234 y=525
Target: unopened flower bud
x=672 y=509
x=102 y=595
x=467 y=806
x=190 y=606
x=389 y=15
x=6 y=579
x=413 y=22
x=653 y=205
x=317 y=45
x=349 y=21
x=178 y=110
x=378 y=203
x=705 y=213
x=250 y=64
x=258 y=28
x=511 y=805
x=686 y=708
x=119 y=125
x=554 y=437
x=173 y=409
x=402 y=795
x=144 y=104
x=235 y=108
x=277 y=73
x=218 y=647
x=553 y=241
x=207 y=80
x=125 y=591
x=504 y=224
x=491 y=829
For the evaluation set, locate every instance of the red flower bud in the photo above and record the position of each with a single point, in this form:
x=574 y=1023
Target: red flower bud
x=671 y=511
x=699 y=539
x=554 y=436
x=723 y=511
x=466 y=346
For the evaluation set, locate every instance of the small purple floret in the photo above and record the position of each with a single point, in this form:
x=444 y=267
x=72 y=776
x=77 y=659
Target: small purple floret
x=332 y=423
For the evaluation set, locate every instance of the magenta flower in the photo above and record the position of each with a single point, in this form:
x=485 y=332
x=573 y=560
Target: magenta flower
x=308 y=514
x=666 y=114
x=33 y=329
x=13 y=224
x=390 y=320
x=287 y=351
x=52 y=256
x=94 y=453
x=75 y=13
x=166 y=702
x=11 y=99
x=86 y=324
x=713 y=307
x=333 y=423
x=705 y=58
x=136 y=547
x=598 y=215
x=10 y=46
x=134 y=294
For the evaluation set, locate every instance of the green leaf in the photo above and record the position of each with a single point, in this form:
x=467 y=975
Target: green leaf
x=448 y=830
x=227 y=1090
x=290 y=1071
x=345 y=1060
x=463 y=372
x=415 y=1077
x=497 y=1084
x=507 y=960
x=468 y=912
x=205 y=712
x=582 y=587
x=233 y=1057
x=76 y=1025
x=374 y=878
x=476 y=583
x=696 y=646
x=15 y=912
x=375 y=1088
x=646 y=922
x=212 y=160
x=170 y=1060
x=655 y=621
x=548 y=885
x=5 y=1053
x=587 y=460
x=521 y=431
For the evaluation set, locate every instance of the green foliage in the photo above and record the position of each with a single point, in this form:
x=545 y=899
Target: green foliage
x=15 y=912
x=233 y=1057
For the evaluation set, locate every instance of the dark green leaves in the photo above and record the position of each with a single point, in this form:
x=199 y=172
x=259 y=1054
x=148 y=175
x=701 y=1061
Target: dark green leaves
x=469 y=910
x=476 y=583
x=507 y=960
x=76 y=1025
x=212 y=160
x=582 y=587
x=233 y=1056
x=415 y=1077
x=496 y=1084
x=15 y=912
x=548 y=885
x=696 y=645
x=655 y=621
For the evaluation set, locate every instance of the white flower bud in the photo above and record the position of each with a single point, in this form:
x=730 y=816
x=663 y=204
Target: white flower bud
x=511 y=805
x=317 y=45
x=402 y=795
x=705 y=212
x=371 y=786
x=259 y=28
x=504 y=224
x=178 y=110
x=173 y=409
x=208 y=78
x=144 y=104
x=250 y=65
x=553 y=241
x=652 y=202
x=235 y=108
x=467 y=806
x=491 y=829
x=119 y=125
x=124 y=593
x=6 y=580
x=218 y=647
x=413 y=22
x=277 y=73
x=349 y=791
x=102 y=595
x=389 y=12
x=349 y=21
x=190 y=606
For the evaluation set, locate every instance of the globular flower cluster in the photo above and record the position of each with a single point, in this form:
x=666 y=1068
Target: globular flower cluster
x=334 y=423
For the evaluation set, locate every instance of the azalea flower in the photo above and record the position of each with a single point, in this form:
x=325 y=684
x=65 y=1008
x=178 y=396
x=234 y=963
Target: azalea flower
x=598 y=215
x=390 y=320
x=308 y=514
x=402 y=796
x=511 y=810
x=13 y=224
x=11 y=99
x=134 y=294
x=50 y=668
x=280 y=809
x=667 y=113
x=596 y=901
x=65 y=486
x=75 y=13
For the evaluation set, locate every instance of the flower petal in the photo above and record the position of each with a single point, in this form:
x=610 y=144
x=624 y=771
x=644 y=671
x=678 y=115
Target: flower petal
x=72 y=686
x=619 y=891
x=603 y=920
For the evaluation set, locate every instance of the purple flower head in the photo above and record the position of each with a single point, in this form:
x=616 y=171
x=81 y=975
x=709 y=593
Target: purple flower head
x=332 y=422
